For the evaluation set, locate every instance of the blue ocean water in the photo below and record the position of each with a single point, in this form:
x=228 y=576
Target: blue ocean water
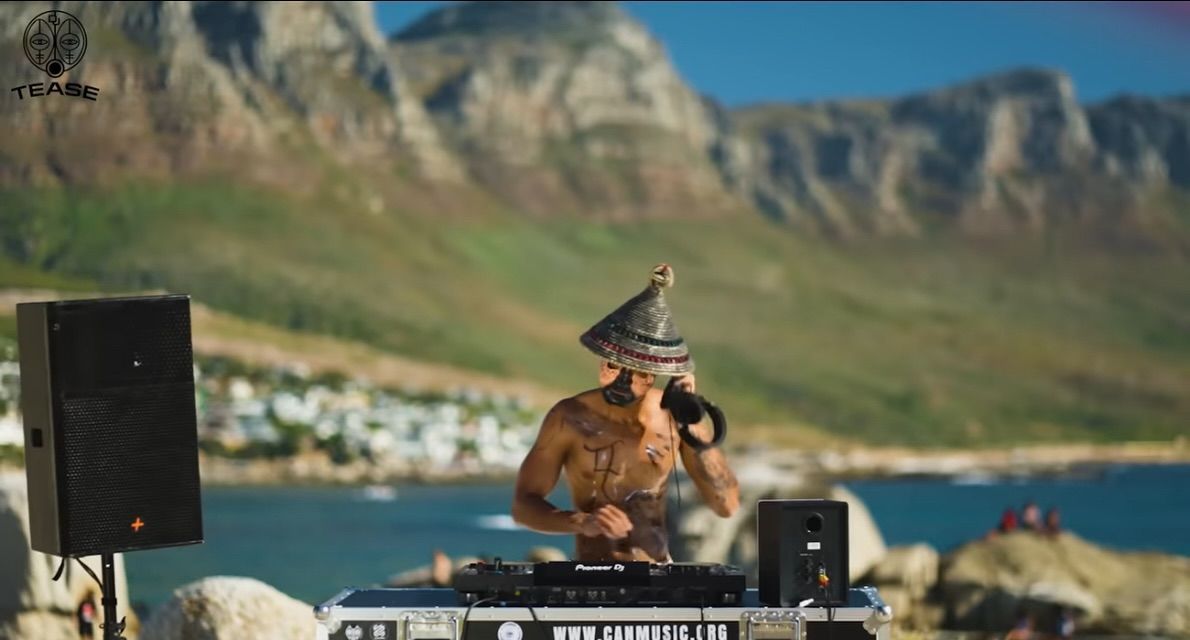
x=311 y=542
x=1133 y=508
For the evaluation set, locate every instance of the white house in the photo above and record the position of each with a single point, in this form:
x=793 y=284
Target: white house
x=11 y=430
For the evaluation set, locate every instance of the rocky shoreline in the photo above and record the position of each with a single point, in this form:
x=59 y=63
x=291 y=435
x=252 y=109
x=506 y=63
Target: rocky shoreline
x=980 y=587
x=838 y=464
x=315 y=468
x=1020 y=461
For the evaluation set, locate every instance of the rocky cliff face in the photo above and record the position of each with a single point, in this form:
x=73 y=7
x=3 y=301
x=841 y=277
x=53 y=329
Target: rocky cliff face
x=1004 y=153
x=186 y=84
x=564 y=106
x=574 y=106
x=575 y=103
x=1144 y=139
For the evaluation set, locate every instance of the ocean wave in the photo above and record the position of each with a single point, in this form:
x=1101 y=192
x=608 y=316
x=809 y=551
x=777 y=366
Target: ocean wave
x=976 y=479
x=377 y=493
x=497 y=521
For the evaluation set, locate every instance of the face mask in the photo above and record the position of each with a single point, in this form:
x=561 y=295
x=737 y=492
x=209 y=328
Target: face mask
x=619 y=392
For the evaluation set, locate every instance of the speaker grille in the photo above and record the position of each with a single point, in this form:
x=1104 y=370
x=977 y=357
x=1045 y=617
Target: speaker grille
x=110 y=344
x=126 y=437
x=126 y=461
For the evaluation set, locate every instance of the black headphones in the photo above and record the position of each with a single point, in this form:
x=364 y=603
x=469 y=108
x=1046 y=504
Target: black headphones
x=689 y=408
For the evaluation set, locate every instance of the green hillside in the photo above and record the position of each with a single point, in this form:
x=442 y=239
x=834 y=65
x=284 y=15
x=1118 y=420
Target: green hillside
x=928 y=342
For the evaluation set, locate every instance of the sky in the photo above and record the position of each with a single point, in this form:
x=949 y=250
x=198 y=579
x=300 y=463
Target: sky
x=751 y=52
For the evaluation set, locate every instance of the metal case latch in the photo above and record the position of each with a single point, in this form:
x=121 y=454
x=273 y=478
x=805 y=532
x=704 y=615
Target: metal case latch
x=775 y=624
x=429 y=625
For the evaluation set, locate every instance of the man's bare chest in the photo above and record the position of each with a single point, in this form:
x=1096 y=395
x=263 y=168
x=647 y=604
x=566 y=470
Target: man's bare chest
x=613 y=460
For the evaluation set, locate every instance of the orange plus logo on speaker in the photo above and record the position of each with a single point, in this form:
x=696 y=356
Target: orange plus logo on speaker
x=137 y=524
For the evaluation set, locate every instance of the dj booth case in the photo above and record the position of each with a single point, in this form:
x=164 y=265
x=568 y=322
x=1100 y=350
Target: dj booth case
x=434 y=614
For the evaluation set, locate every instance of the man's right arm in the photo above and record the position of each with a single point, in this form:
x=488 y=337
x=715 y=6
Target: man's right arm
x=539 y=475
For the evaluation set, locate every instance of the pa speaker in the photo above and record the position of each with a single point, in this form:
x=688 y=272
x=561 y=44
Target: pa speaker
x=111 y=442
x=802 y=552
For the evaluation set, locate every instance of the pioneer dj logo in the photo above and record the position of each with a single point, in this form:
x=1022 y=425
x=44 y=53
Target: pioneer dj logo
x=55 y=42
x=599 y=567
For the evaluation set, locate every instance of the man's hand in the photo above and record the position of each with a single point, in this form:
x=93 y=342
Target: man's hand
x=686 y=383
x=608 y=521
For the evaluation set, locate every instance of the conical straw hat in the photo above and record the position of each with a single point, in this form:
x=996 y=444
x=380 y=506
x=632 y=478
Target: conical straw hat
x=641 y=335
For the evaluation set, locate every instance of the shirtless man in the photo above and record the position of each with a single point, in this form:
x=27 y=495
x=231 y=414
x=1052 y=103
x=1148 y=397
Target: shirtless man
x=617 y=446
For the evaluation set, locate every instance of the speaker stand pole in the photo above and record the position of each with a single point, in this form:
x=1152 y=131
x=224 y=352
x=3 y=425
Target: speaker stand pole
x=112 y=630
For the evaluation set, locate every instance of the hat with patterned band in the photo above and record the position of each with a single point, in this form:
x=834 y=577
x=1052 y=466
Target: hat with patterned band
x=640 y=335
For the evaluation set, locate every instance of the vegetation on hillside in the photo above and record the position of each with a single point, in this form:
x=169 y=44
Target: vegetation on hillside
x=935 y=341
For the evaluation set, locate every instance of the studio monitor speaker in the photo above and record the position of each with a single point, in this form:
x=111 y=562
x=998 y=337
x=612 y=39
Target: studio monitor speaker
x=111 y=443
x=802 y=553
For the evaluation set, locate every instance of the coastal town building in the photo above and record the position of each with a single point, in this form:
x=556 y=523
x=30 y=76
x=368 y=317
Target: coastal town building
x=283 y=411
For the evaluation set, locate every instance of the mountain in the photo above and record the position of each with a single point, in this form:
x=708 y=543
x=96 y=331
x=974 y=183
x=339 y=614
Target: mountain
x=547 y=100
x=981 y=263
x=565 y=106
x=573 y=107
x=1005 y=154
x=188 y=86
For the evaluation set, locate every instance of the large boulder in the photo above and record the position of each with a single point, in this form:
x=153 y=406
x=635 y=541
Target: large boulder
x=227 y=608
x=906 y=578
x=702 y=536
x=986 y=584
x=865 y=542
x=49 y=625
x=32 y=604
x=913 y=567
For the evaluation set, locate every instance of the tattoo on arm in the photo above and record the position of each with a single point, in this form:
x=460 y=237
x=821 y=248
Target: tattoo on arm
x=708 y=469
x=709 y=464
x=713 y=467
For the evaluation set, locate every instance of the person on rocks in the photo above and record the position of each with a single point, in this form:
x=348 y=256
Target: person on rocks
x=1065 y=625
x=1031 y=517
x=86 y=618
x=1023 y=629
x=1053 y=522
x=1007 y=521
x=441 y=569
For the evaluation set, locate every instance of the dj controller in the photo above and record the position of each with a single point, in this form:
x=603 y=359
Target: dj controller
x=574 y=584
x=803 y=594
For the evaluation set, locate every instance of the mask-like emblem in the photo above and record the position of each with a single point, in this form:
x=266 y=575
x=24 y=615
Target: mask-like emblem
x=55 y=42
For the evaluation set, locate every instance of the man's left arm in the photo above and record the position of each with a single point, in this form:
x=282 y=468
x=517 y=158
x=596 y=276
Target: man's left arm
x=714 y=479
x=708 y=468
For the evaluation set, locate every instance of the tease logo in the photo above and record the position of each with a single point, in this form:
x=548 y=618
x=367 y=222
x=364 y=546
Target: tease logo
x=55 y=42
